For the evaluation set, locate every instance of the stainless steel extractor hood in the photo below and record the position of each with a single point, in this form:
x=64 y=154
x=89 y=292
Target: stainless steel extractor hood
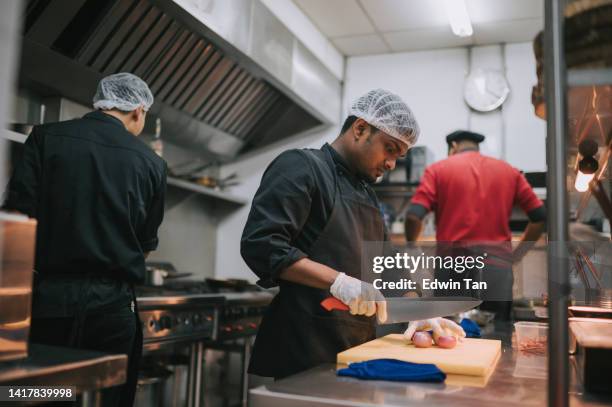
x=222 y=87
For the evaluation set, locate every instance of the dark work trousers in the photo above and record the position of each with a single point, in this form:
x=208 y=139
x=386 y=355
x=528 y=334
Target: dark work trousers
x=113 y=332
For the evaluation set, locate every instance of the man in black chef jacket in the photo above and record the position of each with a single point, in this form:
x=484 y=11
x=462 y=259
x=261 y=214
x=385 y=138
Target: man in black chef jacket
x=97 y=193
x=305 y=232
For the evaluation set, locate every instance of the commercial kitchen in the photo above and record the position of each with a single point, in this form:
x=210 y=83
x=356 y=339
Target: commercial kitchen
x=227 y=244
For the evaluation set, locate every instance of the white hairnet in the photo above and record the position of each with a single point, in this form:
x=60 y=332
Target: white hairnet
x=387 y=112
x=123 y=91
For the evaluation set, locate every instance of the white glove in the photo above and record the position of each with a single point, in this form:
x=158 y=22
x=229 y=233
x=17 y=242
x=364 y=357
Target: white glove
x=439 y=326
x=362 y=298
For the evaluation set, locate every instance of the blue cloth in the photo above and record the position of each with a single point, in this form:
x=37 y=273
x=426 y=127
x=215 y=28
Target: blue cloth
x=471 y=328
x=394 y=370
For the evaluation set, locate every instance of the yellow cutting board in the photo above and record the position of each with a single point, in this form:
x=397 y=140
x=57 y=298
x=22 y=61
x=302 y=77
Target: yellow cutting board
x=471 y=357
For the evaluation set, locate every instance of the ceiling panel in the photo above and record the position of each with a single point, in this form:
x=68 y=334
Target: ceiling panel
x=361 y=45
x=360 y=27
x=429 y=38
x=337 y=18
x=402 y=15
x=483 y=11
x=507 y=31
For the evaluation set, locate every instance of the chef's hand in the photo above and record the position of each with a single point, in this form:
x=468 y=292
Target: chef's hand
x=362 y=298
x=439 y=326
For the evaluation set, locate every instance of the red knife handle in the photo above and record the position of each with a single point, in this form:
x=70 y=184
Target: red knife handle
x=332 y=303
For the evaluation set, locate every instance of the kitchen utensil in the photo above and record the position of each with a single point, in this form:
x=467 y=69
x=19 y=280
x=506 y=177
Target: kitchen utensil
x=531 y=337
x=230 y=285
x=212 y=182
x=413 y=309
x=472 y=357
x=157 y=274
x=191 y=172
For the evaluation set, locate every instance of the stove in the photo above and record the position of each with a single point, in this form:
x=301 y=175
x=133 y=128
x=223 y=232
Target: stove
x=204 y=310
x=186 y=320
x=241 y=314
x=177 y=317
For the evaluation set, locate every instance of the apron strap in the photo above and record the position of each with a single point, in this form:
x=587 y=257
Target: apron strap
x=128 y=393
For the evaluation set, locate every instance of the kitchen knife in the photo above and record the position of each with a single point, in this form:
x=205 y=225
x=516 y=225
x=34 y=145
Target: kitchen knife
x=414 y=309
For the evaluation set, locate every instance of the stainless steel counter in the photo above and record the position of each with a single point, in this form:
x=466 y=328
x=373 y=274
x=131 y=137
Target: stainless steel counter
x=321 y=387
x=88 y=371
x=178 y=300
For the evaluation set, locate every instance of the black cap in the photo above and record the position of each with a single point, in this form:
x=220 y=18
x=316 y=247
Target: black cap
x=464 y=135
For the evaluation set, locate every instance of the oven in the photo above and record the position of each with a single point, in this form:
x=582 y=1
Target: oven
x=197 y=341
x=175 y=325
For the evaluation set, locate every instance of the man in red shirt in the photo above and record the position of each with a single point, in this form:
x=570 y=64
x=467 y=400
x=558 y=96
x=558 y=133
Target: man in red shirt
x=472 y=196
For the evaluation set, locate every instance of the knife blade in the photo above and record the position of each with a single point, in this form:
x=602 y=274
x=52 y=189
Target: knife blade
x=413 y=309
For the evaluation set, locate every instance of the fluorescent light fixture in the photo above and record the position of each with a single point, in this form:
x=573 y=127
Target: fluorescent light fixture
x=458 y=17
x=582 y=181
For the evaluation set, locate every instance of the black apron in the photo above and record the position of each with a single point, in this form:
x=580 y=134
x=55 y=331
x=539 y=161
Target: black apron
x=296 y=332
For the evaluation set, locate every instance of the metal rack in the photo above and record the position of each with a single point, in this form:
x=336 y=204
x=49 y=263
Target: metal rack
x=558 y=78
x=208 y=192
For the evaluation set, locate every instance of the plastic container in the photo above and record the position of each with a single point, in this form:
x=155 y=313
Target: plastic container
x=531 y=337
x=530 y=366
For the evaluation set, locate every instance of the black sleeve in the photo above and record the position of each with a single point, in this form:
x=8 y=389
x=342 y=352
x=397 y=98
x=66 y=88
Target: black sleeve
x=537 y=215
x=23 y=188
x=417 y=210
x=148 y=238
x=280 y=208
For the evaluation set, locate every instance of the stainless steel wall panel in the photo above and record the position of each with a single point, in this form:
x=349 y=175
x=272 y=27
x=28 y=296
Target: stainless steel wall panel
x=230 y=19
x=315 y=83
x=271 y=43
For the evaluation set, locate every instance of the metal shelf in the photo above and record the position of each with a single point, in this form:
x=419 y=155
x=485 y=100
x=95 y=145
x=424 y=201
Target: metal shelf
x=176 y=182
x=211 y=193
x=14 y=136
x=589 y=77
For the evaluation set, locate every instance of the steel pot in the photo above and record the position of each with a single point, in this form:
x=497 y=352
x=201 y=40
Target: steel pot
x=157 y=276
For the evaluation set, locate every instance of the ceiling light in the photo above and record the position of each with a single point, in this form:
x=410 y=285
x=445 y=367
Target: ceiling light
x=582 y=181
x=458 y=17
x=587 y=168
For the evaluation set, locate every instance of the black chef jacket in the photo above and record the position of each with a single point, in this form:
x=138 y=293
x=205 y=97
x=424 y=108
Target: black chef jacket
x=97 y=193
x=289 y=212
